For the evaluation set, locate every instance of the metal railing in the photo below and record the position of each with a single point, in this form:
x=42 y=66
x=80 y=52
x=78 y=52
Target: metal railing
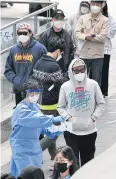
x=27 y=1
x=36 y=21
x=6 y=94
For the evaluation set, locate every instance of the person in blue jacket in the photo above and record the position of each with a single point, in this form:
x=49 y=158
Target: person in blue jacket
x=28 y=122
x=22 y=58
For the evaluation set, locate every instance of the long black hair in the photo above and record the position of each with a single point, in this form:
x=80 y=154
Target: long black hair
x=105 y=10
x=68 y=153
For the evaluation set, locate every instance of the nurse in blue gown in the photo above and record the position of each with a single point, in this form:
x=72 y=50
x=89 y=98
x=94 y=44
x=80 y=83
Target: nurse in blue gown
x=28 y=122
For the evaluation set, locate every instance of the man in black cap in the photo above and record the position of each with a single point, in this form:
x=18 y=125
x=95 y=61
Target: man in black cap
x=58 y=20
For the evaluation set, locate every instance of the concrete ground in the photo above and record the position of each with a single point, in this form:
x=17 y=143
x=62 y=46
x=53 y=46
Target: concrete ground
x=106 y=137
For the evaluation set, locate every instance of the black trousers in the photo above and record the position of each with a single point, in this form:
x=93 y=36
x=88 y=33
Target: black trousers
x=105 y=75
x=18 y=98
x=94 y=69
x=83 y=146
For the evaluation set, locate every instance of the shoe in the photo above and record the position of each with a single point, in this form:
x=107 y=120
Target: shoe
x=51 y=168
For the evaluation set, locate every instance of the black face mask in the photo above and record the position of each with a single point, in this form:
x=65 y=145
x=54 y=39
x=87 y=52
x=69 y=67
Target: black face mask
x=61 y=167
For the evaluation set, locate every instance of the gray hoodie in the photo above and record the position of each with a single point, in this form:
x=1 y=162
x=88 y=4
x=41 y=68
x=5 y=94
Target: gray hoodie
x=81 y=101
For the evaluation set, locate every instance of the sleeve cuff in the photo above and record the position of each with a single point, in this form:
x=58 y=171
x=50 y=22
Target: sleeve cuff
x=94 y=118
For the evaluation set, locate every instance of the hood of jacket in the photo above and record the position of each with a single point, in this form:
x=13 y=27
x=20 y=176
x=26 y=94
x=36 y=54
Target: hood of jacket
x=71 y=75
x=31 y=172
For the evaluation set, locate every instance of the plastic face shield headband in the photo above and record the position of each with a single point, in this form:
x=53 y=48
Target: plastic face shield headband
x=35 y=96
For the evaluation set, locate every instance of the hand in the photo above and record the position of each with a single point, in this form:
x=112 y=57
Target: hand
x=58 y=119
x=88 y=37
x=57 y=123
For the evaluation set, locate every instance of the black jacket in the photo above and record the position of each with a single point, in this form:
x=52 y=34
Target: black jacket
x=68 y=54
x=48 y=72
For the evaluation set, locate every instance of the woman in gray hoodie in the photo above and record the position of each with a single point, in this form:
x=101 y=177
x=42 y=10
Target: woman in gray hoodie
x=81 y=102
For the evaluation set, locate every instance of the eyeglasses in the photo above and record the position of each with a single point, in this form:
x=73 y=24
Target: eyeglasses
x=56 y=160
x=76 y=71
x=22 y=33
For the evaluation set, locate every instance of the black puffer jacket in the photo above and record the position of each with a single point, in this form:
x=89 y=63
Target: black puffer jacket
x=68 y=54
x=48 y=73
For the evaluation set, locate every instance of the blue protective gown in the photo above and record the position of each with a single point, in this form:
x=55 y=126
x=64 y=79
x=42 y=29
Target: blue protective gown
x=28 y=123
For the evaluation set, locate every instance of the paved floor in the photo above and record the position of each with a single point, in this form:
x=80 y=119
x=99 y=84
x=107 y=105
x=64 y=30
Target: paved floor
x=106 y=135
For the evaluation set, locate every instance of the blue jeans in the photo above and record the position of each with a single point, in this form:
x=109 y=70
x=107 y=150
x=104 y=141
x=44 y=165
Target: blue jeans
x=94 y=69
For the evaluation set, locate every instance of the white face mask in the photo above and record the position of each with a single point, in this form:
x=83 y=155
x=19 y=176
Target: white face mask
x=59 y=24
x=84 y=10
x=58 y=58
x=34 y=99
x=79 y=77
x=95 y=9
x=23 y=38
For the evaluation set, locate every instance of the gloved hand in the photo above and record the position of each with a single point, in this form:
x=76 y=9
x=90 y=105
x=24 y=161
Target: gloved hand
x=58 y=119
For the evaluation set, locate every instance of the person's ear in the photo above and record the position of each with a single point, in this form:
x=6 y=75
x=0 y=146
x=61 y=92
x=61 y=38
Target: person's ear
x=58 y=51
x=30 y=34
x=53 y=19
x=69 y=164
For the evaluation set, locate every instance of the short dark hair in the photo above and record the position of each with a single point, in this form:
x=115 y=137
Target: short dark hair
x=55 y=44
x=7 y=176
x=30 y=83
x=98 y=1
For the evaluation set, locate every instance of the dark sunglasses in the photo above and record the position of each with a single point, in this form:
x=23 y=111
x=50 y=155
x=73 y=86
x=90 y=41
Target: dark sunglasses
x=22 y=33
x=76 y=71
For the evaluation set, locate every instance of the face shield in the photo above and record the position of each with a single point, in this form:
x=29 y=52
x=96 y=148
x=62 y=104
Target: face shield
x=34 y=96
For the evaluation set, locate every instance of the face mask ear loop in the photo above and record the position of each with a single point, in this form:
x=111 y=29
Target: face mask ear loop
x=68 y=165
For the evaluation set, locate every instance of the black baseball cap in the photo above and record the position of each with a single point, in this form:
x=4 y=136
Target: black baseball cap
x=57 y=13
x=85 y=3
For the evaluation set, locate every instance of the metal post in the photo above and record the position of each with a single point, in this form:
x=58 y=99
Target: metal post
x=14 y=34
x=47 y=15
x=35 y=24
x=55 y=7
